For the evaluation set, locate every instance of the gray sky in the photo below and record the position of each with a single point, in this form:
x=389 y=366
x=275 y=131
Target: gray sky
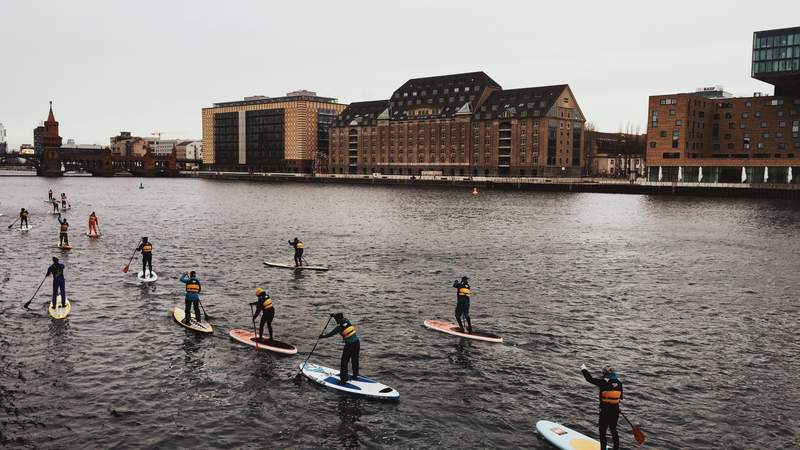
x=146 y=66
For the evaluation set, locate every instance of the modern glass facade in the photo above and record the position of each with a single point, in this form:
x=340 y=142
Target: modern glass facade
x=776 y=53
x=226 y=138
x=264 y=131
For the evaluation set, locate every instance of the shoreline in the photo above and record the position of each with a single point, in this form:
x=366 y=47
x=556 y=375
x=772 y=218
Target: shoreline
x=578 y=185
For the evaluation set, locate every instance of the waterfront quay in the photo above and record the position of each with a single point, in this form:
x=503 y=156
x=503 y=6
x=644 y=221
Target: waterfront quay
x=562 y=184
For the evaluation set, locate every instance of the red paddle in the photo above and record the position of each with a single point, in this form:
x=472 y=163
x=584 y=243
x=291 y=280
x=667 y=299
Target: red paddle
x=637 y=432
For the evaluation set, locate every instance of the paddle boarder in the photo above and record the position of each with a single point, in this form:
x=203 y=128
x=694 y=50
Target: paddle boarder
x=610 y=397
x=63 y=201
x=192 y=297
x=265 y=308
x=462 y=303
x=93 y=224
x=146 y=247
x=298 y=251
x=50 y=195
x=55 y=206
x=23 y=218
x=63 y=239
x=57 y=271
x=352 y=346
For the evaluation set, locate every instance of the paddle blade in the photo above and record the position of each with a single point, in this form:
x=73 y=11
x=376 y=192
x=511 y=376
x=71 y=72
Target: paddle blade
x=638 y=434
x=125 y=269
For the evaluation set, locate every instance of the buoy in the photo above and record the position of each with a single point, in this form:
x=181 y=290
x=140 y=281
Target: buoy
x=475 y=191
x=141 y=186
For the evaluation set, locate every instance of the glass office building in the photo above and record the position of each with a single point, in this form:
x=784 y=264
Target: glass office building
x=776 y=59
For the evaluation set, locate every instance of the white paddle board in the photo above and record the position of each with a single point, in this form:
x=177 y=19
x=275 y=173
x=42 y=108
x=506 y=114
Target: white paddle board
x=451 y=328
x=249 y=338
x=64 y=247
x=153 y=276
x=200 y=327
x=292 y=266
x=361 y=386
x=565 y=438
x=59 y=312
x=25 y=228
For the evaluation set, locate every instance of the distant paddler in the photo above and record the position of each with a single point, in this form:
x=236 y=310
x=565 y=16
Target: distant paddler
x=93 y=224
x=55 y=205
x=475 y=191
x=264 y=307
x=462 y=303
x=63 y=238
x=352 y=346
x=50 y=195
x=192 y=297
x=23 y=218
x=63 y=201
x=57 y=271
x=298 y=251
x=146 y=247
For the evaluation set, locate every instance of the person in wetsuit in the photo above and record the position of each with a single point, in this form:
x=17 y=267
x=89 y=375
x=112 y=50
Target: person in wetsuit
x=57 y=271
x=63 y=201
x=63 y=238
x=50 y=195
x=147 y=256
x=298 y=251
x=23 y=218
x=462 y=303
x=93 y=224
x=352 y=346
x=192 y=297
x=610 y=397
x=55 y=206
x=265 y=308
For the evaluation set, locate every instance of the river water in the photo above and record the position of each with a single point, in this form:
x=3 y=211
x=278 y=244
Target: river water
x=694 y=301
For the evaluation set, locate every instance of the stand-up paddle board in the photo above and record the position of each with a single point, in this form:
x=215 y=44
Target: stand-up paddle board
x=194 y=325
x=149 y=279
x=249 y=338
x=450 y=328
x=94 y=236
x=362 y=386
x=25 y=228
x=565 y=438
x=59 y=312
x=292 y=266
x=64 y=247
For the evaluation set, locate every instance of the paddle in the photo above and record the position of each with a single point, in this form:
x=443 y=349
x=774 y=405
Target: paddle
x=34 y=294
x=9 y=227
x=300 y=372
x=125 y=269
x=637 y=432
x=205 y=314
x=255 y=334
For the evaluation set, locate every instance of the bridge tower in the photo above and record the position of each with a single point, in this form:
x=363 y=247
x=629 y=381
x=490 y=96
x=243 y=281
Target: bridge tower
x=51 y=141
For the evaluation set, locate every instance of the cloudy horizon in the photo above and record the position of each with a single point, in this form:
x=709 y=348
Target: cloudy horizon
x=151 y=67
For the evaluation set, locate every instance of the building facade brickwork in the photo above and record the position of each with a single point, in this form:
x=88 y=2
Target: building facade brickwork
x=461 y=124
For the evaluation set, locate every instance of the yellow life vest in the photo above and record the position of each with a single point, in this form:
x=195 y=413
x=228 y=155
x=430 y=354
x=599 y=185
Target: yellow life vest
x=463 y=292
x=266 y=303
x=147 y=248
x=193 y=287
x=348 y=331
x=610 y=397
x=299 y=245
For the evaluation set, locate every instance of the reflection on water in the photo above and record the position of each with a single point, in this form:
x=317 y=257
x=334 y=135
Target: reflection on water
x=692 y=300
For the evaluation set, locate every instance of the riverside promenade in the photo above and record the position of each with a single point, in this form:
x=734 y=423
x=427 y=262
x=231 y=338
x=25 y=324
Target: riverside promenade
x=597 y=185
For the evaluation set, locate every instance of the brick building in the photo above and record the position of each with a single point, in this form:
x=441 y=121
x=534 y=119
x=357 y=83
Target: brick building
x=462 y=124
x=755 y=139
x=283 y=134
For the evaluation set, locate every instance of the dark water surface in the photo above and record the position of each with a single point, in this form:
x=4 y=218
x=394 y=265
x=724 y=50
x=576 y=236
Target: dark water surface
x=693 y=301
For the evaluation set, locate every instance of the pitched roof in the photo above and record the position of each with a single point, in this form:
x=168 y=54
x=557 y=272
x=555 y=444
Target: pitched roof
x=439 y=96
x=524 y=102
x=361 y=112
x=50 y=117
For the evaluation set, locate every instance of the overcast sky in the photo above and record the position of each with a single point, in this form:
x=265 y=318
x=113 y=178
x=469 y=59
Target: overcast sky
x=146 y=66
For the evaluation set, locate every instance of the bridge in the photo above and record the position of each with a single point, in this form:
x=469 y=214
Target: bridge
x=54 y=161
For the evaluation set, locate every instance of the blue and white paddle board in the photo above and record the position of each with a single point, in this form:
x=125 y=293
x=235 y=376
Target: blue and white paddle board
x=362 y=386
x=565 y=438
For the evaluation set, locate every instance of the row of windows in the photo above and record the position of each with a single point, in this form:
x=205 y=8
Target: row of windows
x=436 y=91
x=745 y=144
x=776 y=41
x=783 y=65
x=778 y=53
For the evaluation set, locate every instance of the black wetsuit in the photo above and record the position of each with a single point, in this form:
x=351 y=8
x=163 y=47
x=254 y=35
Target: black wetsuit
x=147 y=257
x=63 y=237
x=23 y=219
x=351 y=350
x=266 y=315
x=57 y=271
x=298 y=251
x=609 y=411
x=462 y=304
